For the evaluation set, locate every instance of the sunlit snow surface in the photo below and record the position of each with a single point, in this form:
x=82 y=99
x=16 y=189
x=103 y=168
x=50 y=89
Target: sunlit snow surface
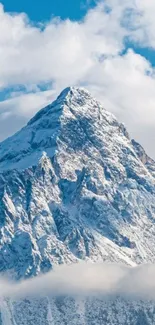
x=74 y=186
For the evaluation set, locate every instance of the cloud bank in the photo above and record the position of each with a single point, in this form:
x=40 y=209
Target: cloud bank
x=85 y=279
x=38 y=61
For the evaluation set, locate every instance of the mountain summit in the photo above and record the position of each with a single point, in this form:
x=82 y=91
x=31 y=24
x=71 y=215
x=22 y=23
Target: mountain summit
x=74 y=186
x=64 y=121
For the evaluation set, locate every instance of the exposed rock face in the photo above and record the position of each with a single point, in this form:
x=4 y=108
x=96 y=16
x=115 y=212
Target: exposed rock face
x=74 y=186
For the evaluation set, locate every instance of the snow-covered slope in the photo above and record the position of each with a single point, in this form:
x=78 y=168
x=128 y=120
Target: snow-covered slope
x=74 y=186
x=68 y=311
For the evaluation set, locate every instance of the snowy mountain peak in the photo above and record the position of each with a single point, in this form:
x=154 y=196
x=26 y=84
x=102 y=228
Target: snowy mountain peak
x=69 y=96
x=74 y=186
x=75 y=92
x=69 y=99
x=74 y=111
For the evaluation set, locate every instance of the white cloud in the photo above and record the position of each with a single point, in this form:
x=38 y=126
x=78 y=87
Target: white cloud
x=26 y=104
x=143 y=22
x=63 y=51
x=95 y=279
x=137 y=16
x=16 y=111
x=81 y=53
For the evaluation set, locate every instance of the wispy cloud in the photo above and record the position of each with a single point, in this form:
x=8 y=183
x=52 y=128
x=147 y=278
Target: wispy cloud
x=87 y=279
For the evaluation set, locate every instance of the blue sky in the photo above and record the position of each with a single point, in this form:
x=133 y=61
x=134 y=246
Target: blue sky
x=39 y=10
x=110 y=52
